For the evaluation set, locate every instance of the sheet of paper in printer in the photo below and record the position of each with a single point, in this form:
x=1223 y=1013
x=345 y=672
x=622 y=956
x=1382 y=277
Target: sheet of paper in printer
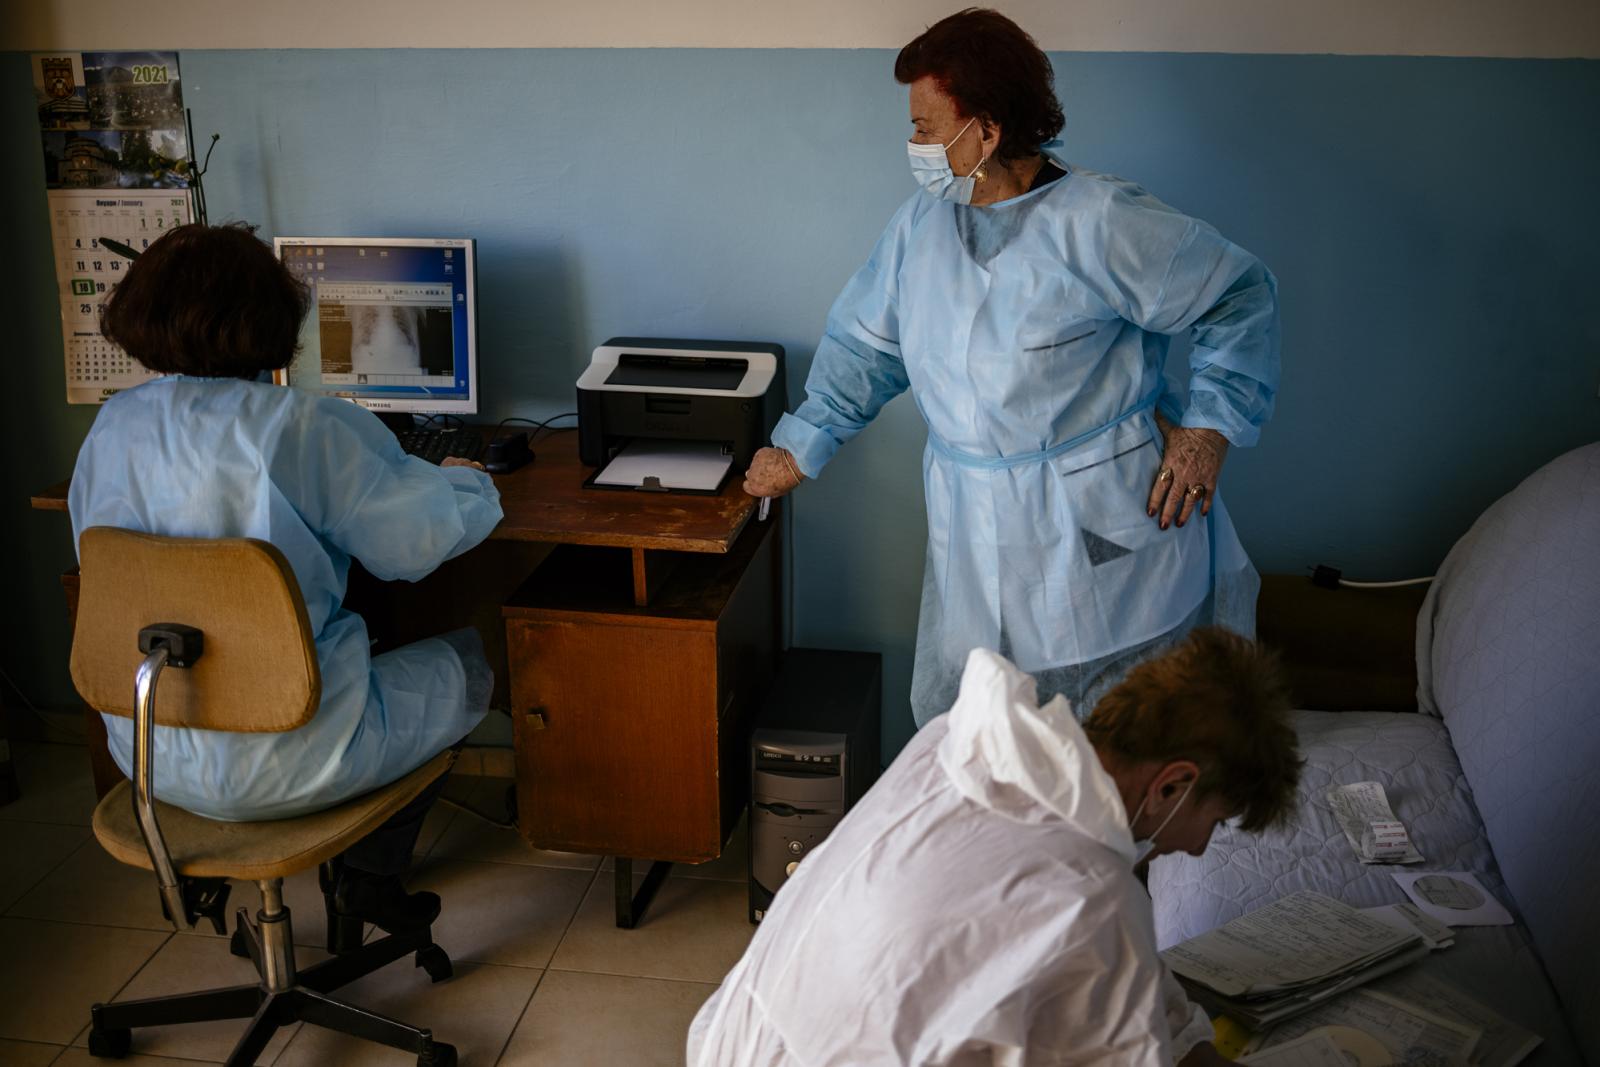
x=698 y=465
x=1370 y=825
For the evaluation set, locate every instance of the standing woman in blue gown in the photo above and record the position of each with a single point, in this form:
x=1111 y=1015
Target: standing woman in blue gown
x=206 y=451
x=1074 y=523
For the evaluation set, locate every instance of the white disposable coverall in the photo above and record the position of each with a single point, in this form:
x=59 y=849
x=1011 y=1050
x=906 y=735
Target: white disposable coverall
x=977 y=907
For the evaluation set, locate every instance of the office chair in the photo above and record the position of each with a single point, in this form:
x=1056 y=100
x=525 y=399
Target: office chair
x=222 y=626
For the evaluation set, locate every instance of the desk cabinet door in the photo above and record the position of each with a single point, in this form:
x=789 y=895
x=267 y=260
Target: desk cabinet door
x=616 y=735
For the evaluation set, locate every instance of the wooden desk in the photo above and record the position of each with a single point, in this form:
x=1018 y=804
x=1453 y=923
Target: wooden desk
x=545 y=502
x=639 y=631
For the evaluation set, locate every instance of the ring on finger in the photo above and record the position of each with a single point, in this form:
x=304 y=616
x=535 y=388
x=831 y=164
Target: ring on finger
x=1164 y=474
x=1196 y=491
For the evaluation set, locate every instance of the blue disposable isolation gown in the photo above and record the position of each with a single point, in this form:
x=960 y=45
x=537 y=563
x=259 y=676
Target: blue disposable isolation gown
x=1032 y=334
x=325 y=482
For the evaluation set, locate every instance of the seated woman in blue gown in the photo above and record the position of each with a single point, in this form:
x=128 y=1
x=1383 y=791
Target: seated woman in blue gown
x=210 y=450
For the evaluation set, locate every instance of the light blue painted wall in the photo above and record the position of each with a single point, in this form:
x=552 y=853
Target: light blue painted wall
x=1432 y=222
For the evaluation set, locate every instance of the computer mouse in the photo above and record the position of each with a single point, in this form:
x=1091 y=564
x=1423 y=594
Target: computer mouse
x=507 y=452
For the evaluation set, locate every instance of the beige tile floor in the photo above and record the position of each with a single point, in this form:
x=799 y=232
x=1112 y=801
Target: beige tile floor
x=542 y=974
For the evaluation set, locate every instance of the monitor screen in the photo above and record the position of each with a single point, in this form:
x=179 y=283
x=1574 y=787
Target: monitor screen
x=392 y=324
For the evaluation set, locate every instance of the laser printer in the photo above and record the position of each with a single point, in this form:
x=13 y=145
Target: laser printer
x=666 y=414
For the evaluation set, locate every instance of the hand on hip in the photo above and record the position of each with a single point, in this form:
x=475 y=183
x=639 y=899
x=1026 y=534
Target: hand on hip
x=1188 y=475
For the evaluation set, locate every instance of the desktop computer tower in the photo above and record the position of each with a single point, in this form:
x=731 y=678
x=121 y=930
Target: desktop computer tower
x=813 y=755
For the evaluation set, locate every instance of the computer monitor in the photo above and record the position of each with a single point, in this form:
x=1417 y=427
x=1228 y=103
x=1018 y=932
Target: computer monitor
x=393 y=323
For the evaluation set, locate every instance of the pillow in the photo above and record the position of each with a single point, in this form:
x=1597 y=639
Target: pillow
x=1508 y=654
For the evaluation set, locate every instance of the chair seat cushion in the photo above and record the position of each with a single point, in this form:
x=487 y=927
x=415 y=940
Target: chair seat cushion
x=251 y=851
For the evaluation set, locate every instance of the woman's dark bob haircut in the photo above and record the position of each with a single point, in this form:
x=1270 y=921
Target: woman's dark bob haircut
x=993 y=71
x=211 y=301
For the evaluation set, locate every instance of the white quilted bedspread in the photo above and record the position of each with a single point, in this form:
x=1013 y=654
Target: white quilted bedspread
x=1412 y=756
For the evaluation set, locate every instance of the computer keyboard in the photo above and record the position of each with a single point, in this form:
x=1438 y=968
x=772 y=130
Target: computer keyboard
x=434 y=444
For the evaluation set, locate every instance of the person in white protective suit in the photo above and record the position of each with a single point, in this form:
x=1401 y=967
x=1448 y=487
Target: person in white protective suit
x=981 y=905
x=1027 y=303
x=208 y=451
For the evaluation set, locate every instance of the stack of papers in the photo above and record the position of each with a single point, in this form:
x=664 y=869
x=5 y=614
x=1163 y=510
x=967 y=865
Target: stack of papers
x=1288 y=957
x=1408 y=919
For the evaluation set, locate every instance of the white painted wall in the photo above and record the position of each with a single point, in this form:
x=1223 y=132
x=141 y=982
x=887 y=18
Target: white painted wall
x=1512 y=28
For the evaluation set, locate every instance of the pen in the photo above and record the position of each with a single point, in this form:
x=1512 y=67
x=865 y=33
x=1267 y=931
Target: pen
x=766 y=508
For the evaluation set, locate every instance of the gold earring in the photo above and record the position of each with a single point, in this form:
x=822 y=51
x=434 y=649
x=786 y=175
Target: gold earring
x=983 y=170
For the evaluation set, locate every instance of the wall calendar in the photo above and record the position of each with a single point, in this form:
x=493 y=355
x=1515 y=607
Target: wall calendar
x=116 y=167
x=86 y=271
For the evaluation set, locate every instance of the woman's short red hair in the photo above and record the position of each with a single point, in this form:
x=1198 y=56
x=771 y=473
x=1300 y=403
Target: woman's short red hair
x=993 y=70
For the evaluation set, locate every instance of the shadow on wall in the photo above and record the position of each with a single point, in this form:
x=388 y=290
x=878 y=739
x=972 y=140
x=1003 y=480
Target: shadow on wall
x=540 y=352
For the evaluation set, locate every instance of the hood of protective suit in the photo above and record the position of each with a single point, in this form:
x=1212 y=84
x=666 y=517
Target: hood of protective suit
x=1029 y=763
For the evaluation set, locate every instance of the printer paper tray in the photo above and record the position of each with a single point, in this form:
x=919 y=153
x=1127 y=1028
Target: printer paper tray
x=665 y=467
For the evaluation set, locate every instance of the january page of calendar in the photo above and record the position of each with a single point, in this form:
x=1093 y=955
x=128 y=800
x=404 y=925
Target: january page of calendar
x=86 y=271
x=116 y=167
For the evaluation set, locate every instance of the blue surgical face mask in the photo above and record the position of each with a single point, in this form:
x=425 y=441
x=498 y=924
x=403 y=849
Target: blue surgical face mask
x=930 y=166
x=1146 y=845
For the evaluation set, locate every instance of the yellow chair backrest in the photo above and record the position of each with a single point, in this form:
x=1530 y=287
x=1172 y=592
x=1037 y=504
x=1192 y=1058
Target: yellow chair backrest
x=258 y=673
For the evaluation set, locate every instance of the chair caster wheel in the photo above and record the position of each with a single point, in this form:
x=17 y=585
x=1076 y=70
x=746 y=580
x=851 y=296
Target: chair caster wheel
x=115 y=1044
x=238 y=945
x=437 y=1054
x=433 y=960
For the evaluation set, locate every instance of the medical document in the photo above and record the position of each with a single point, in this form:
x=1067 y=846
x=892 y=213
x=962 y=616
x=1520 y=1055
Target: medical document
x=1408 y=918
x=1503 y=1043
x=1299 y=940
x=1315 y=1049
x=1288 y=957
x=1370 y=825
x=1410 y=1034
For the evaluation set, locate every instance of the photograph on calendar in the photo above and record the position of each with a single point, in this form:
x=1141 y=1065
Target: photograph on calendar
x=59 y=91
x=115 y=159
x=133 y=90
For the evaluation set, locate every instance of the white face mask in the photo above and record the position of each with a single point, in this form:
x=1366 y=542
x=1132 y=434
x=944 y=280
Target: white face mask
x=930 y=166
x=1146 y=845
